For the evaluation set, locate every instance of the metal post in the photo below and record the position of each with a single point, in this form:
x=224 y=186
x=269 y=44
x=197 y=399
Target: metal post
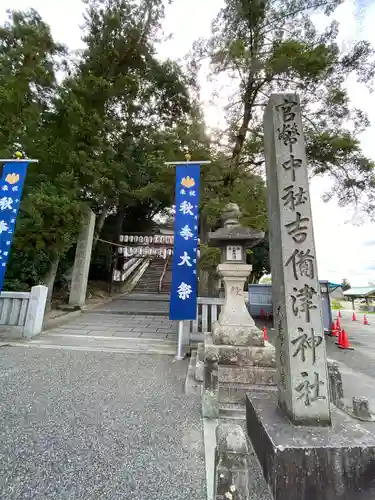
x=179 y=355
x=17 y=160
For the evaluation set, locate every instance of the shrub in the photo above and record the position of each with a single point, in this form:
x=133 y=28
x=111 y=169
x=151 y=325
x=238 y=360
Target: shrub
x=335 y=305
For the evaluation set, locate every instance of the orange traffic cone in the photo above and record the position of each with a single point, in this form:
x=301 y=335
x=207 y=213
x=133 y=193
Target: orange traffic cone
x=265 y=333
x=365 y=320
x=262 y=313
x=338 y=325
x=354 y=318
x=339 y=315
x=333 y=330
x=345 y=341
x=339 y=340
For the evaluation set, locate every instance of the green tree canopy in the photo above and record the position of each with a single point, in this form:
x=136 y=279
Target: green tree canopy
x=101 y=134
x=265 y=46
x=104 y=121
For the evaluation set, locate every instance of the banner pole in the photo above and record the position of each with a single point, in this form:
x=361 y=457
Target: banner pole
x=17 y=160
x=179 y=356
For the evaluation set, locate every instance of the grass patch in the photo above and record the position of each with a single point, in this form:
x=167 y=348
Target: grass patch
x=335 y=305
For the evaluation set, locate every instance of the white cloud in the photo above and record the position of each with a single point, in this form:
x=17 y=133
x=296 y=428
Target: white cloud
x=342 y=249
x=65 y=18
x=187 y=21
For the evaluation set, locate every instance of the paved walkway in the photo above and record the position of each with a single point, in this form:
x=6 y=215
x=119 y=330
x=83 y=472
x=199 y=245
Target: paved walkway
x=133 y=325
x=99 y=426
x=152 y=305
x=357 y=366
x=362 y=338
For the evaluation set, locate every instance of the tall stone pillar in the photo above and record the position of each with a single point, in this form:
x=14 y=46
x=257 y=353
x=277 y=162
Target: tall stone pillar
x=82 y=260
x=300 y=350
x=324 y=462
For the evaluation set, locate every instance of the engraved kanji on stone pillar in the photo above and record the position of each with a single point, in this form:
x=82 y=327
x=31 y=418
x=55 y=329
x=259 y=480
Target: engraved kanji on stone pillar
x=301 y=355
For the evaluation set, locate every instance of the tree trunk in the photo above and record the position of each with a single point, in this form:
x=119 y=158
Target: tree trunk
x=99 y=225
x=204 y=229
x=254 y=278
x=240 y=139
x=204 y=285
x=213 y=284
x=119 y=222
x=249 y=100
x=49 y=280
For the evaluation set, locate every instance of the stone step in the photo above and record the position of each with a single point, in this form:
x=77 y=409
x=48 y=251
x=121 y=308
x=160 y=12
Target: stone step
x=150 y=280
x=99 y=343
x=148 y=283
x=254 y=375
x=235 y=393
x=133 y=312
x=148 y=288
x=229 y=392
x=161 y=297
x=134 y=308
x=232 y=410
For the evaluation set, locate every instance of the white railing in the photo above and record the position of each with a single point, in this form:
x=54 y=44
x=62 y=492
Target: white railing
x=129 y=267
x=22 y=313
x=163 y=274
x=208 y=310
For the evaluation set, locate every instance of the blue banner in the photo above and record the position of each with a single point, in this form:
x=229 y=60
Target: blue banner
x=183 y=303
x=11 y=186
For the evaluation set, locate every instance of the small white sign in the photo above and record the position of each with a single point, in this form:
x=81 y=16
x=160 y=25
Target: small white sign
x=234 y=252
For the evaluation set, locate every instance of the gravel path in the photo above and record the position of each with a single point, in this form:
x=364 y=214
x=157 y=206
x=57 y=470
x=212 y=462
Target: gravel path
x=96 y=426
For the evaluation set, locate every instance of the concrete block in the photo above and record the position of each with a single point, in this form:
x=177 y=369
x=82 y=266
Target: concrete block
x=35 y=311
x=311 y=463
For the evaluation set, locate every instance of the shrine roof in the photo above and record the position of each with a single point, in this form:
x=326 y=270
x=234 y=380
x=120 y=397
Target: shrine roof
x=362 y=291
x=231 y=233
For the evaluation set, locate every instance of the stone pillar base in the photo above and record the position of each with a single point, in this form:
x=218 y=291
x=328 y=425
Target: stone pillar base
x=237 y=335
x=231 y=371
x=235 y=325
x=311 y=463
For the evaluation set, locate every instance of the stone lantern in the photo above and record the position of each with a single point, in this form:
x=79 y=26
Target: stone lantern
x=234 y=358
x=235 y=325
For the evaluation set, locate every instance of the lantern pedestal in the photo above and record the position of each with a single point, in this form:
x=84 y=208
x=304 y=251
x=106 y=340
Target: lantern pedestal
x=235 y=325
x=236 y=356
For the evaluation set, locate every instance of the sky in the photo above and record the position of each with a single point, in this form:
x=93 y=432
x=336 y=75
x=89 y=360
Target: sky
x=343 y=249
